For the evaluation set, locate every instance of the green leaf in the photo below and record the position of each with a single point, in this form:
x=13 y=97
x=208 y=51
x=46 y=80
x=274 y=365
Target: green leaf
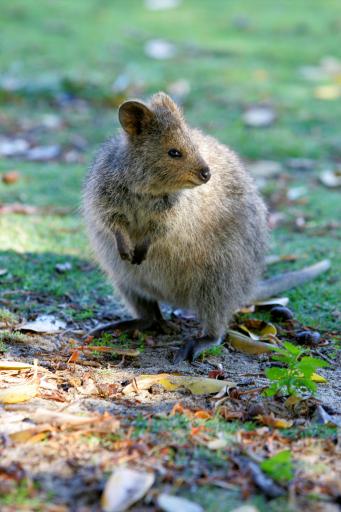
x=293 y=349
x=271 y=390
x=276 y=373
x=314 y=362
x=283 y=358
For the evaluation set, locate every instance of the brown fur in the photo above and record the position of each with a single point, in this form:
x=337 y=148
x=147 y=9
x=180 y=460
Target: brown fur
x=159 y=235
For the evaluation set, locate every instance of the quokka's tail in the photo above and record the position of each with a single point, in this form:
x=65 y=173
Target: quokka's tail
x=278 y=284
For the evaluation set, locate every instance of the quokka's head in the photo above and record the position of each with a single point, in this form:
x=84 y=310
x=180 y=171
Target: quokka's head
x=166 y=158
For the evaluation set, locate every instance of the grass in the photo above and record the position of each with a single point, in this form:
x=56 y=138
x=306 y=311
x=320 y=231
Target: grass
x=228 y=46
x=64 y=58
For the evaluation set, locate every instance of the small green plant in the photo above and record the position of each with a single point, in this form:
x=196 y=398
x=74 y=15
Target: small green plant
x=279 y=467
x=213 y=351
x=296 y=378
x=107 y=340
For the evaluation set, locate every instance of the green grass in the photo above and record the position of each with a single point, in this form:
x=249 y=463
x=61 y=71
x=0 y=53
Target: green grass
x=232 y=54
x=22 y=497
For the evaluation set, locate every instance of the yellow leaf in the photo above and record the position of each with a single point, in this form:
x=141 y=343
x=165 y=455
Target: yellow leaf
x=247 y=345
x=20 y=393
x=13 y=365
x=258 y=329
x=271 y=421
x=318 y=378
x=327 y=92
x=171 y=382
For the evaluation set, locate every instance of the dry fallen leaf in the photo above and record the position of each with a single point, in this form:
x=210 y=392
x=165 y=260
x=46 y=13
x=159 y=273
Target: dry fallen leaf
x=271 y=421
x=218 y=443
x=48 y=324
x=169 y=503
x=327 y=92
x=10 y=177
x=258 y=329
x=116 y=350
x=247 y=345
x=125 y=487
x=19 y=393
x=13 y=365
x=331 y=179
x=197 y=385
x=280 y=301
x=259 y=116
x=23 y=209
x=159 y=49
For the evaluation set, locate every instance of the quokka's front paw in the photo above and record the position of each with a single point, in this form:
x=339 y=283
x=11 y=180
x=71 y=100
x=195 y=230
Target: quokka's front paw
x=139 y=255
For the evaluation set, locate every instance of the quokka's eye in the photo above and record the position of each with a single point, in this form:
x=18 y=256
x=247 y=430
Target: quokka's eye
x=174 y=153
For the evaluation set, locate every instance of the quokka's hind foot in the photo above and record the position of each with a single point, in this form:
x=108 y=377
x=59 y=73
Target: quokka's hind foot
x=160 y=326
x=140 y=324
x=193 y=348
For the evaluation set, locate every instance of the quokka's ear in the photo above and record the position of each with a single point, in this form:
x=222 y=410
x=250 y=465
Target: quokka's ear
x=134 y=116
x=162 y=99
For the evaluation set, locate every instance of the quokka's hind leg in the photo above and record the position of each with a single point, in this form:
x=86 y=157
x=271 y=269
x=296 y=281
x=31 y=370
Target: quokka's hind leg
x=193 y=348
x=149 y=317
x=213 y=310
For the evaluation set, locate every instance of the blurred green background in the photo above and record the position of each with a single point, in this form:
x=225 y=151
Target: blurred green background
x=262 y=76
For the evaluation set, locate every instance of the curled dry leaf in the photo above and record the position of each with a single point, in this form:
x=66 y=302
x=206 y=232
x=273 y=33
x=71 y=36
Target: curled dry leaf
x=13 y=365
x=197 y=385
x=268 y=304
x=44 y=323
x=19 y=393
x=271 y=421
x=63 y=419
x=124 y=488
x=331 y=179
x=258 y=329
x=169 y=503
x=247 y=345
x=219 y=442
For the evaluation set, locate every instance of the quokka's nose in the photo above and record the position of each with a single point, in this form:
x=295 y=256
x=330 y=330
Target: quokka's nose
x=204 y=174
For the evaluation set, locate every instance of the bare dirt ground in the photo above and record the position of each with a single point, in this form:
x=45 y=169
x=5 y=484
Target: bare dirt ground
x=50 y=448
